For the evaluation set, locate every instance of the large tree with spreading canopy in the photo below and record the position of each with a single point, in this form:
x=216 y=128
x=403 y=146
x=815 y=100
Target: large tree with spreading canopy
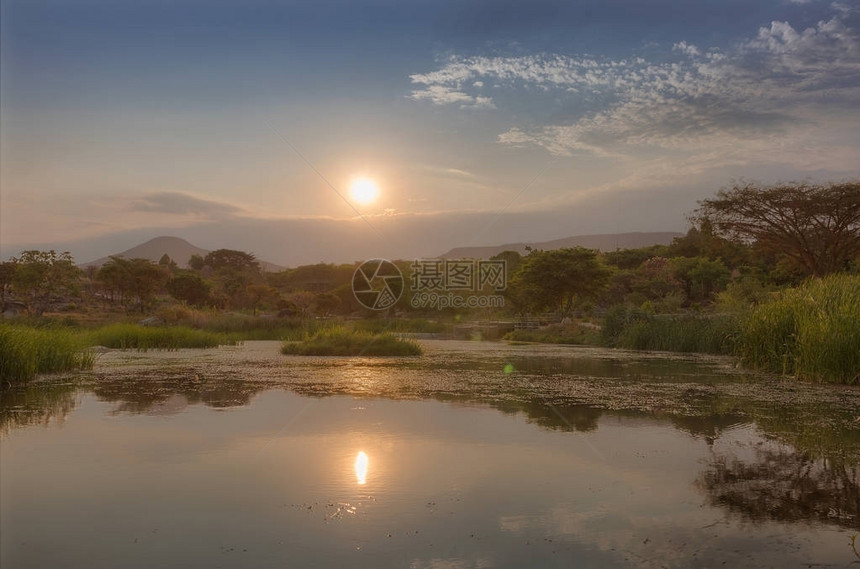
x=817 y=226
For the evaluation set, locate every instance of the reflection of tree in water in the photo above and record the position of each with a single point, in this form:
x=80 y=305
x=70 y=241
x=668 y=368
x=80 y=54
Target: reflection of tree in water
x=35 y=404
x=43 y=402
x=709 y=427
x=171 y=394
x=558 y=417
x=782 y=484
x=629 y=369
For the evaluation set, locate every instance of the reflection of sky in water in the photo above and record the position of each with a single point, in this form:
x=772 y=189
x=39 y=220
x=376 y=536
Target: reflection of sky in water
x=283 y=481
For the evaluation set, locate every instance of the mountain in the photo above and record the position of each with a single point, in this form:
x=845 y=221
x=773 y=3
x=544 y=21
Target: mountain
x=604 y=242
x=177 y=249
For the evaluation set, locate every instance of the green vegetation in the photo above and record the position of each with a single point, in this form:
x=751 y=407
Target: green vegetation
x=639 y=330
x=556 y=334
x=721 y=288
x=142 y=338
x=26 y=351
x=814 y=227
x=239 y=327
x=555 y=280
x=399 y=326
x=341 y=341
x=812 y=331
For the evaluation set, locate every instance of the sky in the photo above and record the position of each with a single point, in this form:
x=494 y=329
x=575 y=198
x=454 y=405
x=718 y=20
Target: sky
x=243 y=124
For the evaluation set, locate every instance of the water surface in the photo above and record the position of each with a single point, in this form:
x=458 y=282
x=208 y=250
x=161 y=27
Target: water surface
x=474 y=455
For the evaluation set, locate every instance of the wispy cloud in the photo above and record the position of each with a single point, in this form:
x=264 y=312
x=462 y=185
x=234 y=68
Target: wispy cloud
x=444 y=95
x=179 y=203
x=783 y=80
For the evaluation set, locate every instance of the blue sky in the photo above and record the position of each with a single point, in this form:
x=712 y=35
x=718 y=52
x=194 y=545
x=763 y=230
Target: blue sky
x=483 y=122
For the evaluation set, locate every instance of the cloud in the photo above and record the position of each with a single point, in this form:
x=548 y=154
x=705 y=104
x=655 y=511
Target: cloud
x=444 y=95
x=781 y=82
x=179 y=203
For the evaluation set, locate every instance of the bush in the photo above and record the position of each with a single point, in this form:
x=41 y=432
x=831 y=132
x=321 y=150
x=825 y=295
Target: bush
x=340 y=341
x=812 y=331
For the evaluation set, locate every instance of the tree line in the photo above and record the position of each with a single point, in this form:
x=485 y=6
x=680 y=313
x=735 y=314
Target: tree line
x=741 y=243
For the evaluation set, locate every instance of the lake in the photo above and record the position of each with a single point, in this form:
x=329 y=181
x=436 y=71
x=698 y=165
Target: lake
x=477 y=454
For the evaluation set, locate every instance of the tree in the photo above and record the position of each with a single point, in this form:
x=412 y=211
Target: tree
x=196 y=262
x=146 y=279
x=42 y=275
x=303 y=301
x=232 y=272
x=512 y=260
x=554 y=279
x=327 y=302
x=230 y=259
x=817 y=226
x=700 y=276
x=7 y=278
x=258 y=294
x=115 y=277
x=655 y=279
x=140 y=277
x=629 y=259
x=168 y=263
x=189 y=288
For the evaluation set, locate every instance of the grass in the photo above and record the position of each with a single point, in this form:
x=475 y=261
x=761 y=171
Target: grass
x=27 y=351
x=142 y=338
x=239 y=327
x=342 y=341
x=401 y=326
x=637 y=330
x=812 y=331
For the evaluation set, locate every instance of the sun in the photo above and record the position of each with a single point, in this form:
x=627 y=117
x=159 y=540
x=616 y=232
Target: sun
x=363 y=191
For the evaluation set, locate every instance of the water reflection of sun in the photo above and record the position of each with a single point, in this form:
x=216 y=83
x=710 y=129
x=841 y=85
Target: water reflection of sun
x=361 y=467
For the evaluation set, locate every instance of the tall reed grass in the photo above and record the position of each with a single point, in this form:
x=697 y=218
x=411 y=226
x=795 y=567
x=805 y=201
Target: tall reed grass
x=27 y=351
x=556 y=334
x=399 y=326
x=342 y=341
x=812 y=331
x=638 y=330
x=143 y=338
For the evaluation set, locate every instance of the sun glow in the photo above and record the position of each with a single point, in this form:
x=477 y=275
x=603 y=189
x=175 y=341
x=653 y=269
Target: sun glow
x=363 y=191
x=361 y=467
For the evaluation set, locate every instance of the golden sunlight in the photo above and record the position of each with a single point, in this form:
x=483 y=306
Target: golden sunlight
x=361 y=467
x=363 y=190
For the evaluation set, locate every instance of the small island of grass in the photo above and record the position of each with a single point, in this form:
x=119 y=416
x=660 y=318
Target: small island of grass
x=344 y=342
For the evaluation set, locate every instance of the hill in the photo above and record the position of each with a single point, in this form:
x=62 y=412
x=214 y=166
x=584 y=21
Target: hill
x=604 y=242
x=176 y=248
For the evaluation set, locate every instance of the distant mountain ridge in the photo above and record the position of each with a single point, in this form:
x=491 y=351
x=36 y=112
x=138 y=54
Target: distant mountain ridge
x=178 y=249
x=603 y=242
